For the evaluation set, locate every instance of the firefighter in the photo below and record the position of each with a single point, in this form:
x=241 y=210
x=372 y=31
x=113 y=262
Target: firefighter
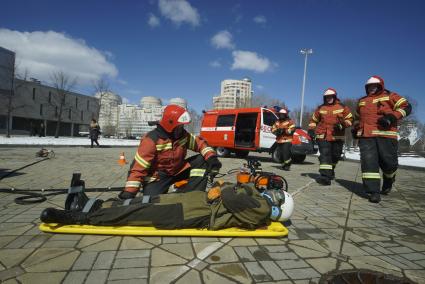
x=230 y=206
x=379 y=111
x=327 y=126
x=284 y=128
x=160 y=158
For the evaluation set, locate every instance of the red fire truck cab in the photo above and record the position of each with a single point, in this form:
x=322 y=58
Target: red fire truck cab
x=249 y=129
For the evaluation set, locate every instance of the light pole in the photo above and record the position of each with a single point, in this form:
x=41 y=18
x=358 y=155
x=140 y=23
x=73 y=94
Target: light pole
x=306 y=52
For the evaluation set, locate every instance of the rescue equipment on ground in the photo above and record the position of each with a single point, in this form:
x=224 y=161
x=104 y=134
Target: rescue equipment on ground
x=45 y=153
x=122 y=160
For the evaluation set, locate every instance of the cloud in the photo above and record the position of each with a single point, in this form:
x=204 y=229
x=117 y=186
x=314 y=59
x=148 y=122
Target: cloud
x=125 y=100
x=153 y=21
x=260 y=87
x=179 y=11
x=249 y=60
x=43 y=53
x=223 y=39
x=122 y=82
x=215 y=63
x=260 y=19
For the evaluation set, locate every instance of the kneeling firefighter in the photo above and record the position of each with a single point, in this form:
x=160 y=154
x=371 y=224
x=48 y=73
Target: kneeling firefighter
x=160 y=158
x=284 y=128
x=224 y=206
x=327 y=126
x=379 y=112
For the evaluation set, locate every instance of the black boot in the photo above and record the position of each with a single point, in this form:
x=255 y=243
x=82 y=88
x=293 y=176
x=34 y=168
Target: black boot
x=76 y=201
x=52 y=215
x=387 y=185
x=323 y=180
x=375 y=197
x=333 y=174
x=286 y=167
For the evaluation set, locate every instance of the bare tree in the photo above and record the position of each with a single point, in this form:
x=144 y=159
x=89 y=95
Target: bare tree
x=62 y=83
x=265 y=100
x=295 y=116
x=101 y=87
x=195 y=124
x=16 y=81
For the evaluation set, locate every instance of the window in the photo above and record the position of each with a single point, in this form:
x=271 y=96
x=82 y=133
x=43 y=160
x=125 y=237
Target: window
x=41 y=109
x=76 y=103
x=69 y=114
x=226 y=120
x=50 y=96
x=33 y=94
x=88 y=104
x=269 y=118
x=82 y=115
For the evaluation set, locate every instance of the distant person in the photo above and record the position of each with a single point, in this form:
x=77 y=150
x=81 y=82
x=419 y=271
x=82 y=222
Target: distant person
x=41 y=130
x=160 y=159
x=284 y=129
x=379 y=112
x=327 y=126
x=94 y=132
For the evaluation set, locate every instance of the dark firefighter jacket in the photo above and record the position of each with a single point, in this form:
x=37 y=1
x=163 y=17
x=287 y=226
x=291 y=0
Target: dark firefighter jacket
x=159 y=154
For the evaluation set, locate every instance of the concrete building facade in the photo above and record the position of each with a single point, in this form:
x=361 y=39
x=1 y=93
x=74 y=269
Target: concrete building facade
x=130 y=120
x=234 y=94
x=36 y=107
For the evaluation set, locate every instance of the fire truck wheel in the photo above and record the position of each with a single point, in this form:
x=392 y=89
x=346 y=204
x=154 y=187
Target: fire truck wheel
x=222 y=152
x=242 y=154
x=298 y=158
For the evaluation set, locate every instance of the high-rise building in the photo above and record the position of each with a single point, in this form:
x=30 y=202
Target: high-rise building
x=234 y=94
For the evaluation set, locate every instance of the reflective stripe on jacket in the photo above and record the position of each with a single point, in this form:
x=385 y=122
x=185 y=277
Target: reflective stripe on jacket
x=326 y=117
x=288 y=127
x=371 y=108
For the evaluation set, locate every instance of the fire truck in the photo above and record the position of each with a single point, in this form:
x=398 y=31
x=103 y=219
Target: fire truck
x=243 y=130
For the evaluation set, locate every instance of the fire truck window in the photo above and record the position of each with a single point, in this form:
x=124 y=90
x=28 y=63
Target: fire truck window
x=269 y=118
x=226 y=120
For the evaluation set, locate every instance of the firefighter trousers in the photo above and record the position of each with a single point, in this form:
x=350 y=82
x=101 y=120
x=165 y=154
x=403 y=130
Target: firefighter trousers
x=330 y=153
x=375 y=153
x=285 y=153
x=196 y=175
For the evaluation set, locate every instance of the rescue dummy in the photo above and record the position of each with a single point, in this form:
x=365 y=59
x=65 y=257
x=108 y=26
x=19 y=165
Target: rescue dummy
x=327 y=125
x=226 y=205
x=284 y=128
x=160 y=160
x=378 y=115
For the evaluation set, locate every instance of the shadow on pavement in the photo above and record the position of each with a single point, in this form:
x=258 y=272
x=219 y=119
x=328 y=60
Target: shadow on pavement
x=354 y=187
x=5 y=173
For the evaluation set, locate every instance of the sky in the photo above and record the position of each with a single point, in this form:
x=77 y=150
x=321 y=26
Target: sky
x=185 y=48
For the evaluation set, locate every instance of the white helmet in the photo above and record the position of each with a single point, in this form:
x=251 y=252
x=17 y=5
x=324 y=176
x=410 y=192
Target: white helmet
x=282 y=204
x=287 y=208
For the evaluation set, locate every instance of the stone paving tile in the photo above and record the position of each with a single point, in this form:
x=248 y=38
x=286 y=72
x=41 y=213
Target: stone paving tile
x=97 y=276
x=387 y=237
x=128 y=273
x=104 y=260
x=75 y=277
x=47 y=277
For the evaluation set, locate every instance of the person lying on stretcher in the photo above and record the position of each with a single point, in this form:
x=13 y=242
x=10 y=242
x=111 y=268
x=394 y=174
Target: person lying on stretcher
x=223 y=206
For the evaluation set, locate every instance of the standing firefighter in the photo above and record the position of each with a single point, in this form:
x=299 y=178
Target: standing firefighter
x=376 y=129
x=284 y=128
x=160 y=159
x=328 y=125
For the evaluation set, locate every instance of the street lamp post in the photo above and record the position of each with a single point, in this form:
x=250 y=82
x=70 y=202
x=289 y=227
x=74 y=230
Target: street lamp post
x=306 y=52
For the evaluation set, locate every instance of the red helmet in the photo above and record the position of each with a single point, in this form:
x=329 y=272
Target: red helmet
x=329 y=92
x=174 y=116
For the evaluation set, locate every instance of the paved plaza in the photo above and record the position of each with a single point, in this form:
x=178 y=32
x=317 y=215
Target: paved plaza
x=333 y=228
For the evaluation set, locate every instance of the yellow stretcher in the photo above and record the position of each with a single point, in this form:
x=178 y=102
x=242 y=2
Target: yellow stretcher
x=275 y=229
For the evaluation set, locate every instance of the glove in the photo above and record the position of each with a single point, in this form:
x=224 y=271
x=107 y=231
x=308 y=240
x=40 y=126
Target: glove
x=126 y=195
x=387 y=120
x=213 y=165
x=312 y=134
x=338 y=127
